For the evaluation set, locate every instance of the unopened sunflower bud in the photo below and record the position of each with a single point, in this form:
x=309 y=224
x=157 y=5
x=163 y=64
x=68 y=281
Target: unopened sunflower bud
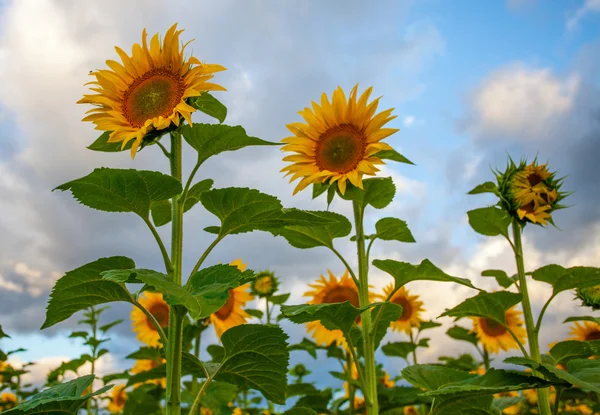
x=590 y=296
x=265 y=284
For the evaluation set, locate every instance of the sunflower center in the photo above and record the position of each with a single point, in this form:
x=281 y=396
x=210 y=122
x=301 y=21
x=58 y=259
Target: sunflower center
x=224 y=312
x=529 y=207
x=492 y=327
x=407 y=308
x=340 y=149
x=341 y=294
x=120 y=399
x=160 y=311
x=534 y=179
x=154 y=94
x=595 y=335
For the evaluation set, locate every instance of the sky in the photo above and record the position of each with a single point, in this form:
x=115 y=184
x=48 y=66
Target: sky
x=471 y=82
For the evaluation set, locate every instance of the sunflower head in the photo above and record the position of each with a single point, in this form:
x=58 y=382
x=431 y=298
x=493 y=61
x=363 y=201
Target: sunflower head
x=4 y=367
x=144 y=365
x=411 y=410
x=326 y=292
x=386 y=381
x=411 y=308
x=265 y=284
x=142 y=325
x=299 y=371
x=338 y=142
x=494 y=336
x=149 y=91
x=585 y=331
x=117 y=400
x=529 y=192
x=8 y=400
x=590 y=296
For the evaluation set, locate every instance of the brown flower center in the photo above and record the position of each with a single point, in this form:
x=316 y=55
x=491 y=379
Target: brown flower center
x=224 y=312
x=160 y=311
x=119 y=400
x=154 y=94
x=340 y=149
x=491 y=327
x=341 y=294
x=534 y=179
x=595 y=335
x=529 y=207
x=407 y=308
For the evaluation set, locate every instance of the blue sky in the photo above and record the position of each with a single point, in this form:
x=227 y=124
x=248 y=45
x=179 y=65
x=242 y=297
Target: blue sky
x=470 y=81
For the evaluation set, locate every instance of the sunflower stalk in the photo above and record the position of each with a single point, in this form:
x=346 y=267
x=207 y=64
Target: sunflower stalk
x=370 y=390
x=351 y=390
x=532 y=334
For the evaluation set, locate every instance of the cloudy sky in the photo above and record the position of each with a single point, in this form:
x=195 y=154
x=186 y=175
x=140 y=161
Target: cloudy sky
x=470 y=82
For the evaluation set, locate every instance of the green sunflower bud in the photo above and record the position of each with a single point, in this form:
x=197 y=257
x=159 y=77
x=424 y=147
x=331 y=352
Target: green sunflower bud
x=590 y=296
x=299 y=370
x=265 y=284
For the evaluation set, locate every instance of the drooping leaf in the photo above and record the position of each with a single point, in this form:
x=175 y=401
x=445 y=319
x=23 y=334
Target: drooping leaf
x=463 y=334
x=392 y=155
x=119 y=190
x=209 y=105
x=503 y=280
x=403 y=272
x=102 y=144
x=383 y=315
x=377 y=192
x=392 y=229
x=84 y=287
x=488 y=305
x=334 y=316
x=489 y=221
x=319 y=189
x=432 y=377
x=161 y=212
x=399 y=349
x=307 y=345
x=549 y=273
x=487 y=187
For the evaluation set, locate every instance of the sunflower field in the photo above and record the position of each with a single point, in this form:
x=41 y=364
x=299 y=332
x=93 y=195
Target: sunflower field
x=335 y=149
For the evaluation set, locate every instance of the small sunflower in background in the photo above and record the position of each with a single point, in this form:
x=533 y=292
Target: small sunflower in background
x=530 y=192
x=8 y=400
x=579 y=408
x=149 y=90
x=585 y=331
x=531 y=395
x=327 y=292
x=495 y=337
x=265 y=284
x=142 y=325
x=117 y=400
x=411 y=410
x=339 y=142
x=232 y=313
x=4 y=367
x=144 y=365
x=411 y=308
x=513 y=409
x=386 y=380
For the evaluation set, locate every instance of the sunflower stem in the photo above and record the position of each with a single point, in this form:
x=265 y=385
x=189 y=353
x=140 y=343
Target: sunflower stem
x=175 y=340
x=350 y=385
x=370 y=391
x=414 y=352
x=197 y=344
x=486 y=359
x=532 y=335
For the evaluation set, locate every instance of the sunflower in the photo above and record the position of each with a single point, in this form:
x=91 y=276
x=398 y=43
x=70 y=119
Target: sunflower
x=144 y=365
x=148 y=91
x=332 y=291
x=8 y=400
x=118 y=399
x=513 y=409
x=411 y=308
x=4 y=367
x=353 y=374
x=386 y=381
x=531 y=395
x=586 y=331
x=494 y=336
x=590 y=296
x=205 y=411
x=142 y=326
x=411 y=410
x=265 y=284
x=232 y=314
x=480 y=371
x=535 y=213
x=579 y=408
x=339 y=141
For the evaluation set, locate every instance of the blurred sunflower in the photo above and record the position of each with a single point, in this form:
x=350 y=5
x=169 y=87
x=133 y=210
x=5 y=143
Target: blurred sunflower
x=339 y=142
x=531 y=395
x=411 y=308
x=579 y=408
x=118 y=399
x=511 y=410
x=353 y=374
x=205 y=411
x=265 y=284
x=4 y=367
x=326 y=292
x=232 y=313
x=411 y=410
x=386 y=381
x=144 y=365
x=142 y=325
x=494 y=336
x=585 y=331
x=8 y=400
x=148 y=91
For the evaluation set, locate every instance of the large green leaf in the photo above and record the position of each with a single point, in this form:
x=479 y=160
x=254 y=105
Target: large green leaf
x=577 y=277
x=399 y=349
x=383 y=315
x=392 y=155
x=489 y=305
x=562 y=352
x=399 y=396
x=209 y=105
x=256 y=357
x=65 y=398
x=377 y=192
x=392 y=229
x=433 y=377
x=463 y=334
x=549 y=273
x=489 y=221
x=161 y=212
x=211 y=139
x=403 y=272
x=119 y=190
x=84 y=287
x=334 y=316
x=315 y=235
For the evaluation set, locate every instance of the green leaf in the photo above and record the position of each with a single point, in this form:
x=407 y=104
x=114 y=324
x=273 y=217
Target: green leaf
x=378 y=192
x=84 y=287
x=307 y=345
x=65 y=398
x=392 y=229
x=254 y=312
x=216 y=352
x=385 y=314
x=119 y=190
x=102 y=144
x=403 y=272
x=82 y=334
x=209 y=105
x=488 y=305
x=109 y=326
x=157 y=372
x=464 y=362
x=161 y=212
x=564 y=351
x=501 y=277
x=217 y=397
x=318 y=401
x=115 y=376
x=212 y=139
x=426 y=325
x=432 y=377
x=319 y=189
x=489 y=221
x=549 y=273
x=147 y=353
x=399 y=349
x=279 y=299
x=300 y=411
x=193 y=195
x=583 y=318
x=487 y=187
x=475 y=405
x=398 y=396
x=577 y=277
x=323 y=234
x=2 y=333
x=256 y=357
x=334 y=316
x=392 y=155
x=500 y=404
x=144 y=399
x=463 y=334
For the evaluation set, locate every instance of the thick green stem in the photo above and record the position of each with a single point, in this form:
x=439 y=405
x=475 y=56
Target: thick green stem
x=175 y=339
x=370 y=391
x=486 y=359
x=532 y=335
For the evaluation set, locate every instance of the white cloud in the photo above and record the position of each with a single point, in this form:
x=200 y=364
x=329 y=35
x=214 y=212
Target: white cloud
x=10 y=286
x=589 y=6
x=522 y=103
x=408 y=120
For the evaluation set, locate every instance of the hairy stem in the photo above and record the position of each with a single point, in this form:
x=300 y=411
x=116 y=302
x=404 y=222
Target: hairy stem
x=532 y=335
